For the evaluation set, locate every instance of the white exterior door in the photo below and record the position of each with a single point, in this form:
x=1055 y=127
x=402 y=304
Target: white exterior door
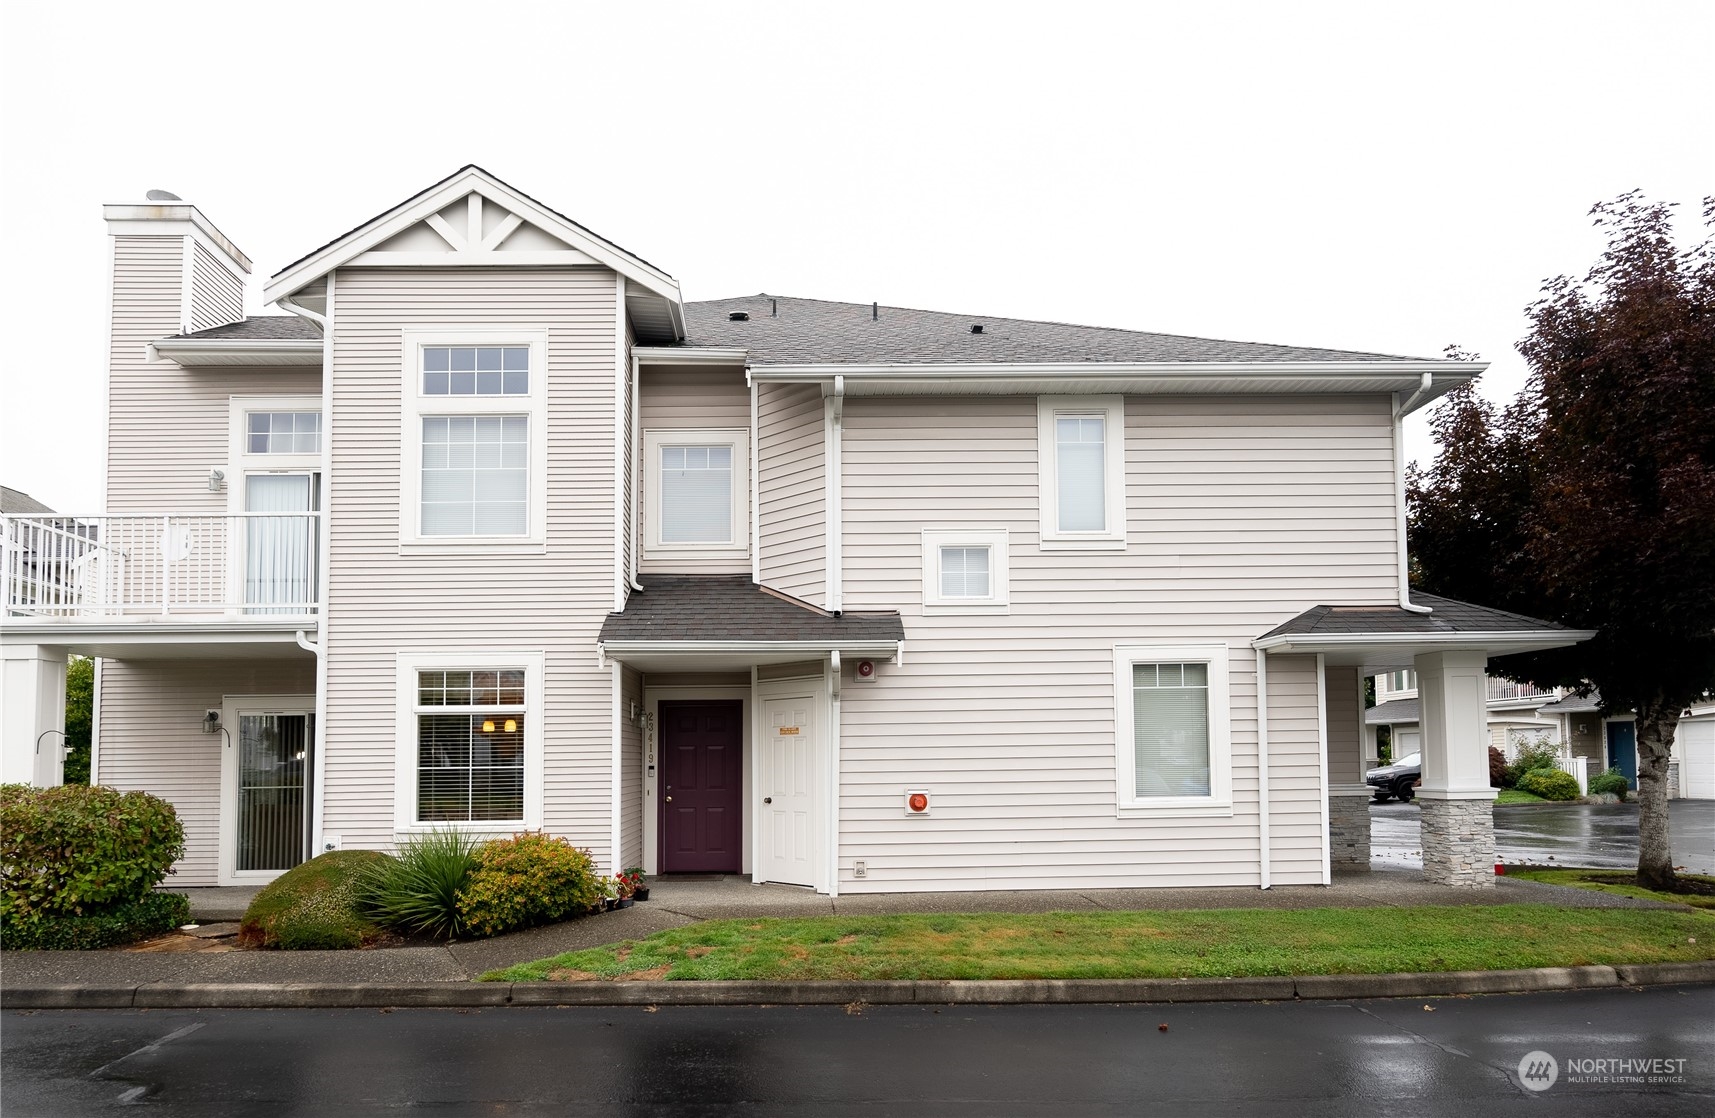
x=268 y=756
x=789 y=786
x=1697 y=759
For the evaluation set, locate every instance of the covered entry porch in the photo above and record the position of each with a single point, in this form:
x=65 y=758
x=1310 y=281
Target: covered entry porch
x=728 y=726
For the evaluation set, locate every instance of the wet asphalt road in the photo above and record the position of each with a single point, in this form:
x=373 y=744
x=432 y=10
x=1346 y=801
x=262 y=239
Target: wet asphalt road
x=1564 y=834
x=1444 y=1056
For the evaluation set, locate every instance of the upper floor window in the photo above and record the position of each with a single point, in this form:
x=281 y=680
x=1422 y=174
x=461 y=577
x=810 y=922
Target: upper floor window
x=474 y=455
x=964 y=570
x=283 y=432
x=698 y=487
x=1081 y=459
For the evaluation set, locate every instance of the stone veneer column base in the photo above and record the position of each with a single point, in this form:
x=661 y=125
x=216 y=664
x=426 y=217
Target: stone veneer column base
x=1349 y=830
x=1459 y=842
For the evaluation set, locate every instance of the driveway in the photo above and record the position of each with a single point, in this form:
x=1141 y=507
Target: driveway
x=1567 y=834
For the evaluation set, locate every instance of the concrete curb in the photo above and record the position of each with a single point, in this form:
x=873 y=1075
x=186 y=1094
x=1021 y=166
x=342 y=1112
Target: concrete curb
x=370 y=995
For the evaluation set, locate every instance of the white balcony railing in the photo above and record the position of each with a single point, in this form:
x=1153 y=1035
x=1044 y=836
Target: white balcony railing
x=1507 y=689
x=81 y=567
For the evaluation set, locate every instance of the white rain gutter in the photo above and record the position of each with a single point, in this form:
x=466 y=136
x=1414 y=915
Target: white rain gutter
x=835 y=545
x=637 y=502
x=324 y=538
x=1263 y=872
x=834 y=678
x=1400 y=411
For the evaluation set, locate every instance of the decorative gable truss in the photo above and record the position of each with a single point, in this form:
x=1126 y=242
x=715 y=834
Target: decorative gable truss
x=473 y=231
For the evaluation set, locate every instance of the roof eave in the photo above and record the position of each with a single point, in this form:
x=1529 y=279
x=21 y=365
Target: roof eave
x=1494 y=643
x=245 y=351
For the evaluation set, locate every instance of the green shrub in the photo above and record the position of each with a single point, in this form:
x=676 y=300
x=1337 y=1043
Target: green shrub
x=530 y=878
x=1550 y=784
x=417 y=891
x=79 y=851
x=153 y=915
x=1533 y=755
x=1611 y=781
x=314 y=906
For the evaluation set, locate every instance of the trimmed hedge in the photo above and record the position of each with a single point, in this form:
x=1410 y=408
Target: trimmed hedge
x=528 y=879
x=1533 y=756
x=1612 y=781
x=1550 y=784
x=79 y=851
x=314 y=906
x=156 y=914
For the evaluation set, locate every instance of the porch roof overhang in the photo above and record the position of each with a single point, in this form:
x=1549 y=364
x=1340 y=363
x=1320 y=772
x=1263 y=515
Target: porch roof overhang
x=693 y=656
x=1387 y=638
x=143 y=639
x=239 y=352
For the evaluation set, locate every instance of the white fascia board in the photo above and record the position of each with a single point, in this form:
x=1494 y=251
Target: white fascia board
x=1329 y=376
x=1500 y=643
x=142 y=634
x=216 y=351
x=170 y=219
x=700 y=355
x=437 y=198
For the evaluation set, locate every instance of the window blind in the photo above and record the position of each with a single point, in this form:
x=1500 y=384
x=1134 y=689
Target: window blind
x=696 y=494
x=964 y=572
x=475 y=475
x=1170 y=728
x=1080 y=473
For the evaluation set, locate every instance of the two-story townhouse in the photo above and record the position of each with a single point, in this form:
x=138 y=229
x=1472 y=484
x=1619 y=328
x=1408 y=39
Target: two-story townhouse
x=495 y=531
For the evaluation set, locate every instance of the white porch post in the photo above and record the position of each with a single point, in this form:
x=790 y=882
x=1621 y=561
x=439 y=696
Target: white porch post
x=33 y=702
x=1457 y=802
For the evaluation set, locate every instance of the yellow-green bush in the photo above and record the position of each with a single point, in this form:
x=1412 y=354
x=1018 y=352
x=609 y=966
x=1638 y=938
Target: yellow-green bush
x=1550 y=784
x=313 y=907
x=530 y=878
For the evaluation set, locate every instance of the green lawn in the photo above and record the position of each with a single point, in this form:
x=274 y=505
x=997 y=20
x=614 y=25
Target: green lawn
x=1620 y=883
x=1141 y=944
x=1514 y=796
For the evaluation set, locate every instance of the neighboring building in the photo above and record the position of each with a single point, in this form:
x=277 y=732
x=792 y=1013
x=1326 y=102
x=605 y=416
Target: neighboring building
x=498 y=532
x=1514 y=715
x=1610 y=741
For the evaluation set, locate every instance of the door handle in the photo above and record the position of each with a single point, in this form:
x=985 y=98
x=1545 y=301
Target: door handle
x=768 y=799
x=669 y=799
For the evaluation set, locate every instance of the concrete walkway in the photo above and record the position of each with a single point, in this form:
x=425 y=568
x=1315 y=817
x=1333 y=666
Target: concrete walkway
x=674 y=903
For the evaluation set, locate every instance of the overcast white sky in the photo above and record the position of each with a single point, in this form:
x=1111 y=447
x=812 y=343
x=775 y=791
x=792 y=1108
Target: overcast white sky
x=1362 y=176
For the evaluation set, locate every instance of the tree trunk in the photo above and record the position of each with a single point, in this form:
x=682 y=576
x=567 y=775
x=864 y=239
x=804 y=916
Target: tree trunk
x=1656 y=725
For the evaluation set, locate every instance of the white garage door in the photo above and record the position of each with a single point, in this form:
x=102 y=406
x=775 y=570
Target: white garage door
x=1697 y=759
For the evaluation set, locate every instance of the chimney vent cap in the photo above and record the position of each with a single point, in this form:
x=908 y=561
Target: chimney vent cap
x=163 y=196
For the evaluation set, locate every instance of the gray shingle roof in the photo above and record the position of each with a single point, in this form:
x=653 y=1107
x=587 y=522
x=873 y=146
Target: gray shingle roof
x=1573 y=704
x=1448 y=617
x=789 y=331
x=19 y=503
x=1397 y=712
x=265 y=328
x=732 y=608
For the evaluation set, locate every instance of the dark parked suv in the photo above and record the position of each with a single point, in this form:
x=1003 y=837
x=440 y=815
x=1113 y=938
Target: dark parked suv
x=1398 y=779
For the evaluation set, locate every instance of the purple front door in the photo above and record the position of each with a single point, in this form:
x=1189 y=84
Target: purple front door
x=702 y=791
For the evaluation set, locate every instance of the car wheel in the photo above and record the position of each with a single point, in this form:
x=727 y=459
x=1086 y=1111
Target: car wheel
x=1382 y=798
x=1404 y=792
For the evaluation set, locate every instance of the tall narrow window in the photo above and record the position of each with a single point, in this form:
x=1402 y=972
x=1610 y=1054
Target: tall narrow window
x=1079 y=444
x=1170 y=729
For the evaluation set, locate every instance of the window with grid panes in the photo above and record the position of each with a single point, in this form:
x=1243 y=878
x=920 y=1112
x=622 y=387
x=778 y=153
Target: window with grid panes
x=470 y=745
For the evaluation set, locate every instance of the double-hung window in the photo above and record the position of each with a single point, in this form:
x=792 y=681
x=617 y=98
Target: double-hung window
x=1173 y=753
x=698 y=489
x=1081 y=459
x=470 y=741
x=965 y=570
x=475 y=438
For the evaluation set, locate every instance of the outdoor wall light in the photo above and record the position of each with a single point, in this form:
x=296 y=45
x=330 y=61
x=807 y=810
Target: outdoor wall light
x=216 y=480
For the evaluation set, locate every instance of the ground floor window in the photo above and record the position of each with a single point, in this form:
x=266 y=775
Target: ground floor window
x=1171 y=707
x=469 y=747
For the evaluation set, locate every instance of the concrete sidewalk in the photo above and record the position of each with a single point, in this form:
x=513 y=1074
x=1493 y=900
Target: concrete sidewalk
x=676 y=902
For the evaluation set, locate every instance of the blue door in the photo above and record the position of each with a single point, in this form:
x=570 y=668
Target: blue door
x=1623 y=750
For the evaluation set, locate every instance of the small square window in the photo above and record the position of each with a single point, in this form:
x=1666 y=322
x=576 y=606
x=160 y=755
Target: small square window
x=964 y=570
x=698 y=491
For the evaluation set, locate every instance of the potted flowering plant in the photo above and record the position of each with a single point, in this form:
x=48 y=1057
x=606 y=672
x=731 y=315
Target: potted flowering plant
x=630 y=886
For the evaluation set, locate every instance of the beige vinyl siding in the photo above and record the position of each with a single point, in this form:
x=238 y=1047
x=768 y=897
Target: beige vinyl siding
x=217 y=292
x=1242 y=513
x=630 y=771
x=383 y=601
x=691 y=399
x=791 y=490
x=152 y=739
x=1345 y=727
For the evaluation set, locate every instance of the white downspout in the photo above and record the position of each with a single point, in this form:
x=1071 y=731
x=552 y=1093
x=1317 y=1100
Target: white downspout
x=755 y=486
x=1322 y=738
x=1399 y=413
x=834 y=678
x=836 y=566
x=324 y=536
x=1262 y=766
x=637 y=475
x=616 y=767
x=621 y=426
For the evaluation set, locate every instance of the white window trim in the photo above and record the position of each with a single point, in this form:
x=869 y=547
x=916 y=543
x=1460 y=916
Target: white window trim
x=1112 y=411
x=408 y=664
x=239 y=458
x=995 y=539
x=739 y=440
x=1219 y=802
x=416 y=406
